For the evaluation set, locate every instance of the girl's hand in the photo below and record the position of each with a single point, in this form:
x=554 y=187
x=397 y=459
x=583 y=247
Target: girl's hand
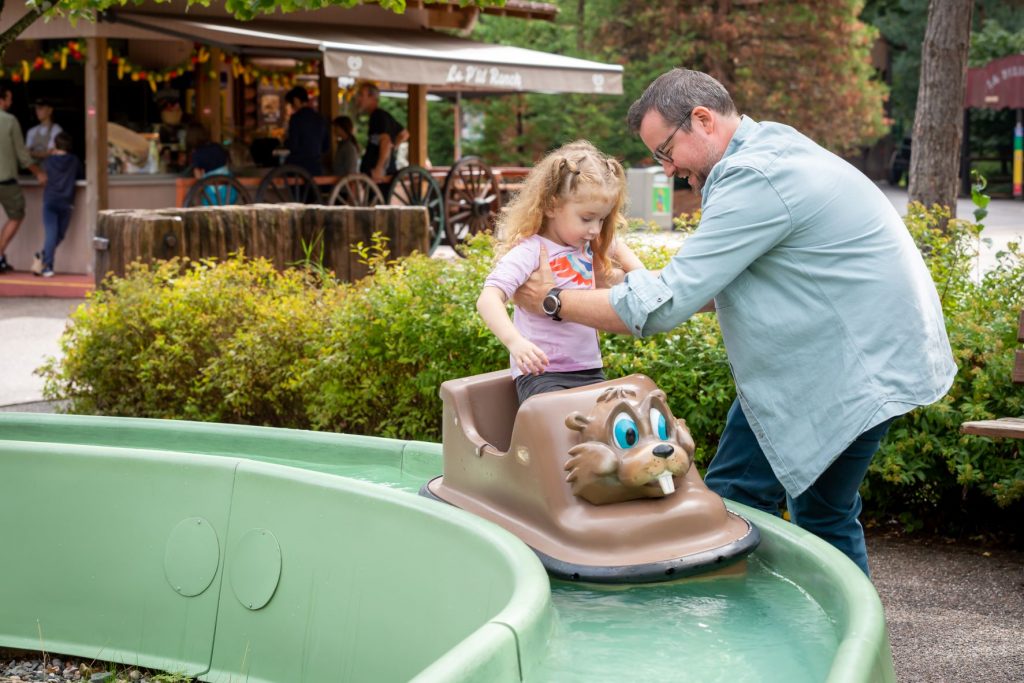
x=528 y=357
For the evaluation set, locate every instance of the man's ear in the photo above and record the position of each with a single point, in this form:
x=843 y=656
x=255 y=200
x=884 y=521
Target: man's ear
x=704 y=118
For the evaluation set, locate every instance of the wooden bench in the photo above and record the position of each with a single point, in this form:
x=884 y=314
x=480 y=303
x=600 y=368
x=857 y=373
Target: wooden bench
x=1006 y=427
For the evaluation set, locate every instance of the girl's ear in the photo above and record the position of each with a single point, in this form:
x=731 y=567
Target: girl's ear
x=549 y=208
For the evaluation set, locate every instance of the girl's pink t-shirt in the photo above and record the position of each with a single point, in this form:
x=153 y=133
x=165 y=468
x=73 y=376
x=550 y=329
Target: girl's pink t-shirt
x=569 y=346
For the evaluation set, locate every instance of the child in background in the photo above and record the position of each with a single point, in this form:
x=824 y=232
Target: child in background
x=347 y=153
x=62 y=169
x=571 y=204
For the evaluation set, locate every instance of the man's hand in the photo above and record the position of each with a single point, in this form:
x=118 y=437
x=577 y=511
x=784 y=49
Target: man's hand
x=528 y=356
x=531 y=293
x=377 y=175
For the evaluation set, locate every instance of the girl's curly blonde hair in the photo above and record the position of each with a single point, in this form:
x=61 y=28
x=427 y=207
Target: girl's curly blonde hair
x=573 y=172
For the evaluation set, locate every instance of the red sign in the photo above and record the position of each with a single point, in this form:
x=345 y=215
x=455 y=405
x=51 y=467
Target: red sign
x=997 y=85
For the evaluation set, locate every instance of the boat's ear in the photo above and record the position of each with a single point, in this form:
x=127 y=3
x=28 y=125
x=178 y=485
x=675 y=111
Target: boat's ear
x=577 y=421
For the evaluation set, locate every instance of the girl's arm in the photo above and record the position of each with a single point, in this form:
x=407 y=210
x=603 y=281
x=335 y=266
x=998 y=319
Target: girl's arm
x=627 y=261
x=528 y=356
x=626 y=258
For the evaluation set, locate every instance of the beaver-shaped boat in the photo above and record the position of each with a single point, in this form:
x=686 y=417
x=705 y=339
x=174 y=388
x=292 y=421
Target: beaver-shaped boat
x=597 y=480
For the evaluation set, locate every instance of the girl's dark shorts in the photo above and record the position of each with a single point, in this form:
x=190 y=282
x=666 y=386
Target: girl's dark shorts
x=528 y=385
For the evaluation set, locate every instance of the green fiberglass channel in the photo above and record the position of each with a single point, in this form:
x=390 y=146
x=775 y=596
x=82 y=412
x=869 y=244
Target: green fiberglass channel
x=795 y=610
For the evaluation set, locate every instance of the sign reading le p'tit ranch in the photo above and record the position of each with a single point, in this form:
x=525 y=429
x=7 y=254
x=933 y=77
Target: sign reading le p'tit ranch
x=481 y=75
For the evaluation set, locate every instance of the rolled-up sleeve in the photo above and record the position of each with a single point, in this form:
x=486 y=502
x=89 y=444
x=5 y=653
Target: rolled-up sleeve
x=748 y=218
x=639 y=295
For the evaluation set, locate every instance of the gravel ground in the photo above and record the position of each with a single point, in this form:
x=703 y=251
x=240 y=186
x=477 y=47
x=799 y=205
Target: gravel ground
x=955 y=613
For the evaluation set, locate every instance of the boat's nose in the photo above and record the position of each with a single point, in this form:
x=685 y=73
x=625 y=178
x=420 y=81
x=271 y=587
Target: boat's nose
x=663 y=450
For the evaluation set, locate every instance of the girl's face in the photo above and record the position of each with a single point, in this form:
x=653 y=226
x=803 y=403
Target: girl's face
x=577 y=221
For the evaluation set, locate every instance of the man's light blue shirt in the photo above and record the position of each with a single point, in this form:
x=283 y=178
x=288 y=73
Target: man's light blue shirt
x=828 y=313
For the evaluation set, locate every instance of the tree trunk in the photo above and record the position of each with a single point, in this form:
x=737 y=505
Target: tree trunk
x=581 y=11
x=938 y=122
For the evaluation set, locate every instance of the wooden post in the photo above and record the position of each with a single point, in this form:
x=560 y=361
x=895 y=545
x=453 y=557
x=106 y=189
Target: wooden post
x=457 y=115
x=96 y=107
x=329 y=110
x=208 y=104
x=417 y=125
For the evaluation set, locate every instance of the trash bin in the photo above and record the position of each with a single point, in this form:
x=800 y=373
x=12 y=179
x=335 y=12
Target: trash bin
x=650 y=195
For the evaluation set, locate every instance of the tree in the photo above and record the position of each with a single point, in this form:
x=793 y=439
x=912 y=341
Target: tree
x=241 y=9
x=938 y=122
x=802 y=62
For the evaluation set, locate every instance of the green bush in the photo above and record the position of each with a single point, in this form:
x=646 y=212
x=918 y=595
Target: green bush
x=394 y=338
x=927 y=474
x=226 y=341
x=239 y=342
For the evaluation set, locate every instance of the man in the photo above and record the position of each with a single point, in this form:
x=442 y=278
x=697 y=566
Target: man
x=830 y=319
x=40 y=138
x=12 y=156
x=307 y=138
x=384 y=134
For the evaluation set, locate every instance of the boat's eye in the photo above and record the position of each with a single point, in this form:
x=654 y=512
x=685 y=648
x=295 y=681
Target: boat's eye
x=625 y=431
x=658 y=424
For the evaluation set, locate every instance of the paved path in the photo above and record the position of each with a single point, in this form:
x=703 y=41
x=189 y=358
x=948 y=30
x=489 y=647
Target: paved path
x=29 y=332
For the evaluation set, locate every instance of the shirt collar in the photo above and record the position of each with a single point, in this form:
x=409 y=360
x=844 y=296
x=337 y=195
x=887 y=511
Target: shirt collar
x=743 y=132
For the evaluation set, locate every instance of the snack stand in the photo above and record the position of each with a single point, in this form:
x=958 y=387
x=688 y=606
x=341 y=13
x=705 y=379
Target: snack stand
x=229 y=75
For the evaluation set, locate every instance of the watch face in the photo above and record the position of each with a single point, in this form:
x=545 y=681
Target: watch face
x=550 y=304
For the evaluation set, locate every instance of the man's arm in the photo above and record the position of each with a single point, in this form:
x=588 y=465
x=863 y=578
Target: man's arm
x=590 y=307
x=378 y=171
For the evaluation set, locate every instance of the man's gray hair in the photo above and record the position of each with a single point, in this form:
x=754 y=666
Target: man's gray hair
x=675 y=93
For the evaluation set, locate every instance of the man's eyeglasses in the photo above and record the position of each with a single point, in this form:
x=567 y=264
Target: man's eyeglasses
x=661 y=152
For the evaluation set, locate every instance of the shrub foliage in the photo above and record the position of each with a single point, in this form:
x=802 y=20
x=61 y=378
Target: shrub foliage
x=238 y=341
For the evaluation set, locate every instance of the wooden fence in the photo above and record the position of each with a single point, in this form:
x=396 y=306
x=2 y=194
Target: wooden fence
x=281 y=233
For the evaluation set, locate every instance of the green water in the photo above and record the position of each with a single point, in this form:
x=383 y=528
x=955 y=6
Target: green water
x=753 y=625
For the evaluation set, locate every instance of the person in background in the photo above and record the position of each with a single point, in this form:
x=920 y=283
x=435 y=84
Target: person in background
x=206 y=157
x=384 y=134
x=40 y=138
x=62 y=168
x=346 y=154
x=209 y=158
x=306 y=139
x=13 y=156
x=172 y=131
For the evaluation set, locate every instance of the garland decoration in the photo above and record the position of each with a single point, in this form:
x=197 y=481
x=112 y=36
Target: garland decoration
x=74 y=50
x=58 y=56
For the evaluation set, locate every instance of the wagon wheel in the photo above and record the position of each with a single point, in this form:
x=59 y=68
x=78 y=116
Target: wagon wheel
x=216 y=190
x=472 y=200
x=414 y=186
x=288 y=183
x=356 y=189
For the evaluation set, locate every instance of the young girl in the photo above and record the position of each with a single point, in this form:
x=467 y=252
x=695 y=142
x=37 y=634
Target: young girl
x=571 y=203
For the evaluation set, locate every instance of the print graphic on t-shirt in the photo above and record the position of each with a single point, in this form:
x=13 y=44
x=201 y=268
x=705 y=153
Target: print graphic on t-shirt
x=579 y=270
